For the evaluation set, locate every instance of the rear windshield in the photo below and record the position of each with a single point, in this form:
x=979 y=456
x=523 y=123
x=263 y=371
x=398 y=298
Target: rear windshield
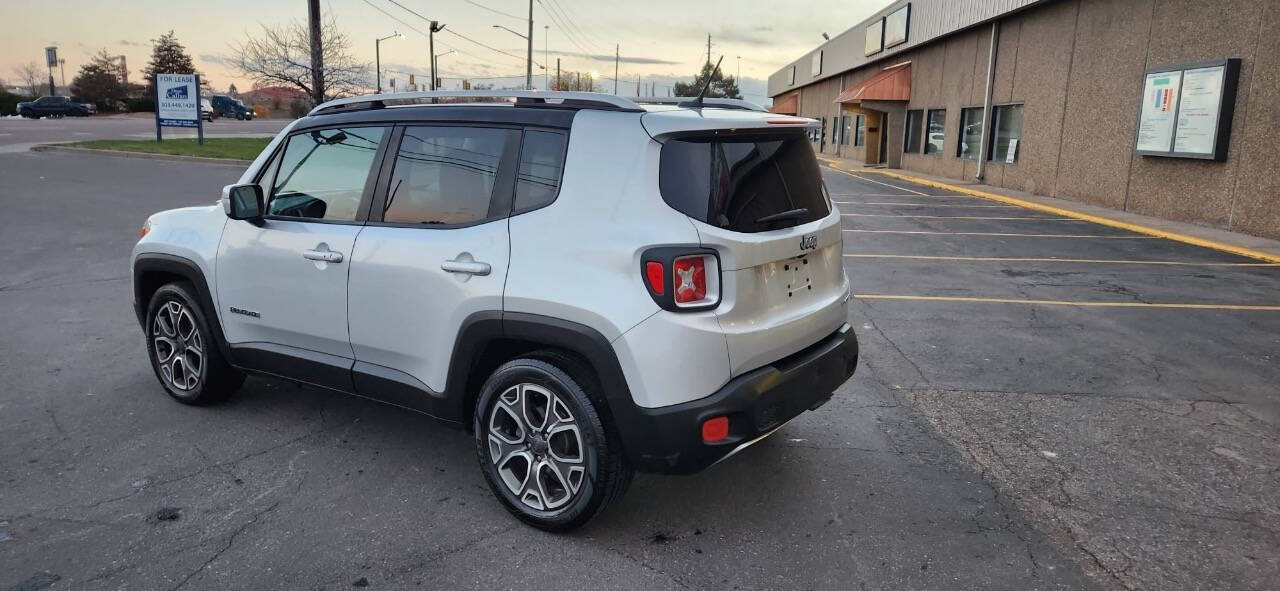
x=743 y=183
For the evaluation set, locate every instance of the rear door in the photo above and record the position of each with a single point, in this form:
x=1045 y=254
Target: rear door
x=435 y=252
x=757 y=198
x=282 y=285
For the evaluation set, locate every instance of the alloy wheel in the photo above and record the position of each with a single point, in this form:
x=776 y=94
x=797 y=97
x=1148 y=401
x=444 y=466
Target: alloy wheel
x=178 y=347
x=536 y=447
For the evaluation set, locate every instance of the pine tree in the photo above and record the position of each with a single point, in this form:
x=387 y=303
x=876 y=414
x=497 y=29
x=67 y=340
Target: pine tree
x=721 y=85
x=99 y=82
x=232 y=92
x=169 y=57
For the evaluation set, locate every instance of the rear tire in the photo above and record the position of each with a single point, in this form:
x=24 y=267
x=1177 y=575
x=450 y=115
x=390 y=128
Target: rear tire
x=543 y=447
x=184 y=353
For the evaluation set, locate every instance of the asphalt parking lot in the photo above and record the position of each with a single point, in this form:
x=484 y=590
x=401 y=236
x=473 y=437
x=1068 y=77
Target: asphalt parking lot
x=985 y=442
x=18 y=135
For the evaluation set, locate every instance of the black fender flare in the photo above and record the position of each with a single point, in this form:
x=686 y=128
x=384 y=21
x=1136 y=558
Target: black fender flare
x=169 y=264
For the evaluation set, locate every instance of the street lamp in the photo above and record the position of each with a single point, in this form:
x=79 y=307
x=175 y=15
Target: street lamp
x=377 y=56
x=528 y=72
x=433 y=66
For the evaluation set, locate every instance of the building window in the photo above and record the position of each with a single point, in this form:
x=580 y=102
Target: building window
x=937 y=131
x=915 y=122
x=874 y=38
x=845 y=121
x=1008 y=133
x=791 y=76
x=970 y=133
x=815 y=67
x=860 y=131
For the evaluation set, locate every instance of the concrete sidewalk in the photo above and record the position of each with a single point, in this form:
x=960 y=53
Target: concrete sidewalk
x=1243 y=244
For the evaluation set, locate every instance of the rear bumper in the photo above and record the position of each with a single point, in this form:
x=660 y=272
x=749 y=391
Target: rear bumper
x=669 y=439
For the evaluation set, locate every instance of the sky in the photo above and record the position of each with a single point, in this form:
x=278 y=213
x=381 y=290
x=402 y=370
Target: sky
x=660 y=41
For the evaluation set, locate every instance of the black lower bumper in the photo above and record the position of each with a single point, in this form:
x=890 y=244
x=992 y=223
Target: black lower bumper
x=669 y=439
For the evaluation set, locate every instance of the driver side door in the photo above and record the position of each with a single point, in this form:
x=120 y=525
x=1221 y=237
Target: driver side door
x=282 y=283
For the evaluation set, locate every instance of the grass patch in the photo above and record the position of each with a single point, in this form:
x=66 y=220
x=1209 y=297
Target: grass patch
x=236 y=148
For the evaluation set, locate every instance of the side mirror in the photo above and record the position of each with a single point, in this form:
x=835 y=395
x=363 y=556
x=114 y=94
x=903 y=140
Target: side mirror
x=244 y=202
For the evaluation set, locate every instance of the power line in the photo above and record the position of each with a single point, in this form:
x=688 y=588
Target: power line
x=455 y=33
x=583 y=34
x=495 y=11
x=563 y=28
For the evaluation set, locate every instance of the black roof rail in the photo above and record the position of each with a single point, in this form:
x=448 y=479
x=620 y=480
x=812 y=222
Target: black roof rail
x=581 y=100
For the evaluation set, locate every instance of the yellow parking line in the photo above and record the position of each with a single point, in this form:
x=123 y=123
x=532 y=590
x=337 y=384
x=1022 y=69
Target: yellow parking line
x=876 y=296
x=1001 y=234
x=1054 y=260
x=1231 y=248
x=954 y=217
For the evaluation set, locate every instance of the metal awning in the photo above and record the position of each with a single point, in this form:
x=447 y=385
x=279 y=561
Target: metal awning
x=787 y=105
x=891 y=84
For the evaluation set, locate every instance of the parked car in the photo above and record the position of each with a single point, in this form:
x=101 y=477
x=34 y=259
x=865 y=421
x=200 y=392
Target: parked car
x=206 y=110
x=225 y=106
x=55 y=106
x=591 y=286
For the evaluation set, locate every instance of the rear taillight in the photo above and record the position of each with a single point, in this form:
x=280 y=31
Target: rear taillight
x=682 y=279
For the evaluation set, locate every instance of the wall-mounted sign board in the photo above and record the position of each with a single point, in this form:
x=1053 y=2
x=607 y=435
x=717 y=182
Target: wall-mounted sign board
x=875 y=38
x=895 y=26
x=1186 y=110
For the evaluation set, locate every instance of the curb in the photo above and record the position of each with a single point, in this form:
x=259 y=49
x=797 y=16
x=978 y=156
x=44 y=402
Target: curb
x=140 y=155
x=1203 y=242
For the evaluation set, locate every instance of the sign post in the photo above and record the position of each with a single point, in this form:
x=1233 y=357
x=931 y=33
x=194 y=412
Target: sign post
x=51 y=58
x=178 y=103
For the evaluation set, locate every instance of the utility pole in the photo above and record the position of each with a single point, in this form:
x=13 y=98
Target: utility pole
x=708 y=49
x=616 y=55
x=546 y=57
x=557 y=74
x=579 y=85
x=62 y=64
x=317 y=53
x=436 y=27
x=638 y=91
x=528 y=65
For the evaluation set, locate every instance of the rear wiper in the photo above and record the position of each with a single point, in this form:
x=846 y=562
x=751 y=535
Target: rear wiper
x=792 y=214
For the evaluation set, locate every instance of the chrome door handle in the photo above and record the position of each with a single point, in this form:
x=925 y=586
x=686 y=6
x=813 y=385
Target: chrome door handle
x=468 y=267
x=327 y=256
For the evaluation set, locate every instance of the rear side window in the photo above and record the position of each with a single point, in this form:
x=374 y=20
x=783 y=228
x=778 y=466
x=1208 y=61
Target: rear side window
x=445 y=175
x=743 y=183
x=541 y=164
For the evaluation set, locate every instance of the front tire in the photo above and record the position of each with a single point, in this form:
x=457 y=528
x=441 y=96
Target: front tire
x=543 y=448
x=183 y=351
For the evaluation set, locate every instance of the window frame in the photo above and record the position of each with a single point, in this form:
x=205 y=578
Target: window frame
x=906 y=132
x=977 y=155
x=501 y=197
x=860 y=131
x=991 y=140
x=366 y=195
x=924 y=150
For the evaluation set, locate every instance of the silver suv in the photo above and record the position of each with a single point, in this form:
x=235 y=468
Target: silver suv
x=592 y=285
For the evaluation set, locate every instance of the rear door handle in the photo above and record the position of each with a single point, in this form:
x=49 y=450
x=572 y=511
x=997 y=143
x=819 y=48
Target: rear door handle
x=468 y=267
x=328 y=256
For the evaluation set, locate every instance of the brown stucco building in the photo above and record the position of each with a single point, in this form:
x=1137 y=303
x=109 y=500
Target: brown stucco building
x=1071 y=100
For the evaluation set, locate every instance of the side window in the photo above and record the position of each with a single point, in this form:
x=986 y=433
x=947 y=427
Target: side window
x=445 y=175
x=541 y=162
x=322 y=173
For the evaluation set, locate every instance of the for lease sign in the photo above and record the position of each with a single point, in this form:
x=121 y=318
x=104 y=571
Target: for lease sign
x=177 y=99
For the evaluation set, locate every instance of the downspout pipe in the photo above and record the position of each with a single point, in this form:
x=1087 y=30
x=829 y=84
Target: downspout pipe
x=986 y=102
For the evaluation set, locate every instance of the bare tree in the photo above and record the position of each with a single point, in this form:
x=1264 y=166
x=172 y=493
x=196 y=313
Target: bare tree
x=30 y=76
x=282 y=56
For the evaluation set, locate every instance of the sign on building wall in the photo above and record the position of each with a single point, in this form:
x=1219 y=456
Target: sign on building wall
x=875 y=38
x=895 y=26
x=1187 y=110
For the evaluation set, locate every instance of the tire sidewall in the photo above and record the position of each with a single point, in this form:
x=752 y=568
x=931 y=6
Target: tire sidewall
x=179 y=293
x=591 y=495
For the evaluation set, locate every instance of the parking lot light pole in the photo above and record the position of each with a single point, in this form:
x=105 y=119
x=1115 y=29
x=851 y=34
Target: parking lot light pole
x=377 y=57
x=434 y=58
x=436 y=27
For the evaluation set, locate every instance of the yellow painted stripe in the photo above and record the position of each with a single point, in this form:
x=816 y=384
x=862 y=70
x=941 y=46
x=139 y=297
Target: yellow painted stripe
x=954 y=217
x=1055 y=260
x=1214 y=244
x=878 y=296
x=1001 y=234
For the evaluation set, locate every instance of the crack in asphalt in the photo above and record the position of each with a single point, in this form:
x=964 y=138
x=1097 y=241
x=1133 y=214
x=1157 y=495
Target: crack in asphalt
x=231 y=540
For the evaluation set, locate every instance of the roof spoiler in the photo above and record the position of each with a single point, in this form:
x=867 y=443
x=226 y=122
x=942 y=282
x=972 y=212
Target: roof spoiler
x=685 y=101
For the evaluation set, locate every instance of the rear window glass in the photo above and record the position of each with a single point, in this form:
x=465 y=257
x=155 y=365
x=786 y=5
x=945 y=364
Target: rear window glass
x=744 y=183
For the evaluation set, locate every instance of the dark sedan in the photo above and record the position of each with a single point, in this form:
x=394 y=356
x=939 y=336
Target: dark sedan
x=55 y=106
